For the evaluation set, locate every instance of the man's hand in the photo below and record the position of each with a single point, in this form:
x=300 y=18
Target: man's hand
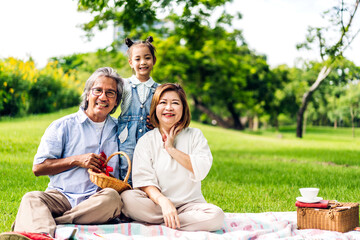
x=55 y=166
x=91 y=161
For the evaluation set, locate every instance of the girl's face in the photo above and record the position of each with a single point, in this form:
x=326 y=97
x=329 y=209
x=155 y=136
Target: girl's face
x=142 y=62
x=169 y=109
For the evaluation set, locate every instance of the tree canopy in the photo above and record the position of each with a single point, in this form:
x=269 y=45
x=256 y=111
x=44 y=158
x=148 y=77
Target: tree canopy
x=340 y=19
x=226 y=81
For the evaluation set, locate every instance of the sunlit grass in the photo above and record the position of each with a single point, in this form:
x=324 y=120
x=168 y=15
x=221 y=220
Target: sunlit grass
x=257 y=172
x=252 y=171
x=19 y=139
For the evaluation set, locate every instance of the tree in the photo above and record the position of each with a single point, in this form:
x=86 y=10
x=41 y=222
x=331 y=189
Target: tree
x=341 y=18
x=136 y=17
x=222 y=78
x=284 y=94
x=343 y=76
x=191 y=33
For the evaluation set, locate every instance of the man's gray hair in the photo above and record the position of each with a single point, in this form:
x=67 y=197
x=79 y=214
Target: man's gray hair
x=103 y=72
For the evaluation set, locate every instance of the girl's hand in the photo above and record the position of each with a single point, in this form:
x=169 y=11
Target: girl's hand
x=171 y=218
x=148 y=123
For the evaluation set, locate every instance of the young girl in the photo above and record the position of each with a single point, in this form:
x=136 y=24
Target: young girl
x=137 y=96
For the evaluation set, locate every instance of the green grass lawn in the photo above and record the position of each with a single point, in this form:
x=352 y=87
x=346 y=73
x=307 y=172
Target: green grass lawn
x=252 y=171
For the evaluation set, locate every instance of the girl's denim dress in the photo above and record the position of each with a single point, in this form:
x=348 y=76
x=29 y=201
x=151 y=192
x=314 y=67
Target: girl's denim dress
x=132 y=126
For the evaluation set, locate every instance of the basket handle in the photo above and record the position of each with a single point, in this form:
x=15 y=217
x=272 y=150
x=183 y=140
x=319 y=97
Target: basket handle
x=128 y=160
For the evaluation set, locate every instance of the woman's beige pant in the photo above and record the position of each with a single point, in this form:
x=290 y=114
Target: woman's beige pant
x=193 y=216
x=41 y=211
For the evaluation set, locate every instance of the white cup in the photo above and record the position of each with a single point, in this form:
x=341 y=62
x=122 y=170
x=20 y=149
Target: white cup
x=309 y=193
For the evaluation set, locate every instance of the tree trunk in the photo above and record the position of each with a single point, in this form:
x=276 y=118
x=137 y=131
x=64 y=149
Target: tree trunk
x=235 y=116
x=276 y=122
x=305 y=100
x=250 y=122
x=199 y=105
x=256 y=123
x=304 y=125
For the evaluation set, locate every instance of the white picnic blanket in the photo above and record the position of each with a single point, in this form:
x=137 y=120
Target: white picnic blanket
x=268 y=225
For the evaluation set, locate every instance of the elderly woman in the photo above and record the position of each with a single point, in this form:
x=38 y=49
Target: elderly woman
x=169 y=164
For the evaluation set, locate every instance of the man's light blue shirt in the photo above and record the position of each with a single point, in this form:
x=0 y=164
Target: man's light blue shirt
x=75 y=135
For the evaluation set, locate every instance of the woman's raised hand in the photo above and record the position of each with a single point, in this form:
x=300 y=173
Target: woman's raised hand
x=179 y=156
x=169 y=138
x=171 y=218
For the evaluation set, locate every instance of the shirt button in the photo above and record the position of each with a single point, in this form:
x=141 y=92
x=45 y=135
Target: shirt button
x=141 y=118
x=140 y=130
x=141 y=106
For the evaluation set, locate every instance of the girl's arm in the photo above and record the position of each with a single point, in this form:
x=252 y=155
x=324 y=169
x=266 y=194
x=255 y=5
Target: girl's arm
x=171 y=218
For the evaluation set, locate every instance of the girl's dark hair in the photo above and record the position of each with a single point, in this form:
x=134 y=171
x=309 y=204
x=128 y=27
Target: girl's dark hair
x=147 y=42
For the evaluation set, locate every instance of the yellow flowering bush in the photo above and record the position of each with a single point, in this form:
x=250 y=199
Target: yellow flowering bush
x=13 y=88
x=25 y=89
x=58 y=88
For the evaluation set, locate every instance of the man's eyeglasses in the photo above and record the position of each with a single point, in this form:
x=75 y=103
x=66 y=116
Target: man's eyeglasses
x=99 y=91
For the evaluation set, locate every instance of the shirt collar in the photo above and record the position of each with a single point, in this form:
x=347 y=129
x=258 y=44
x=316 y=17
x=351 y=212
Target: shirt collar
x=134 y=80
x=82 y=115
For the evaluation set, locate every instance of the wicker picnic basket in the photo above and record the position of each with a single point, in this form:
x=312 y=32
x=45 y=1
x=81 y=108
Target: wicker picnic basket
x=340 y=217
x=103 y=181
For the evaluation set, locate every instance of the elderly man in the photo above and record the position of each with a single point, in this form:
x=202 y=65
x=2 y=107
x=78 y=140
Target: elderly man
x=70 y=146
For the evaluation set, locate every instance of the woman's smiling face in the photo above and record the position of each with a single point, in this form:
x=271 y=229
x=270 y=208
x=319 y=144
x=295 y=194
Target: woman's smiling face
x=169 y=109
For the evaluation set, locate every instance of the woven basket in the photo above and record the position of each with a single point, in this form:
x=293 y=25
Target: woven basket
x=340 y=217
x=103 y=181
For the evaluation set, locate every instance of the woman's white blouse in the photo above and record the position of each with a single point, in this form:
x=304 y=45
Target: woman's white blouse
x=153 y=166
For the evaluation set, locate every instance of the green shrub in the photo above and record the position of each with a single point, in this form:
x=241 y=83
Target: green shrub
x=13 y=87
x=25 y=89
